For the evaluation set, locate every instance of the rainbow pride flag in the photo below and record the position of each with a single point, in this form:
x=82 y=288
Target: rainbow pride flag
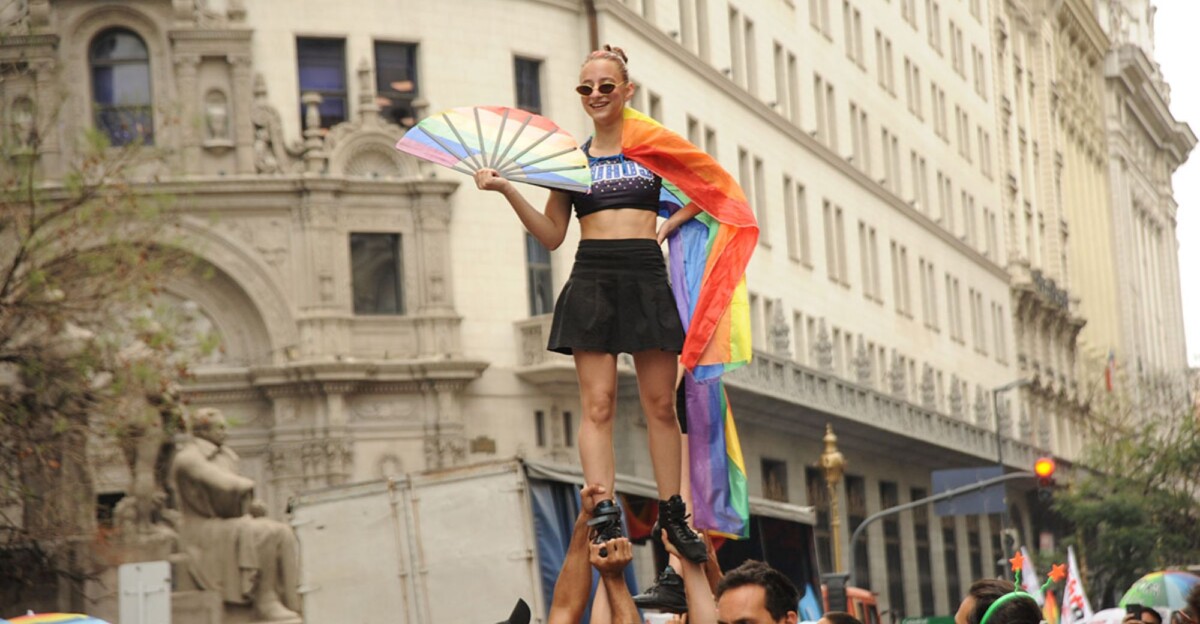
x=708 y=259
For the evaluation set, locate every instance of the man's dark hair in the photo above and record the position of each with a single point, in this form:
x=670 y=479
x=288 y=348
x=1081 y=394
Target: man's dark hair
x=985 y=592
x=840 y=617
x=781 y=595
x=1193 y=601
x=1022 y=610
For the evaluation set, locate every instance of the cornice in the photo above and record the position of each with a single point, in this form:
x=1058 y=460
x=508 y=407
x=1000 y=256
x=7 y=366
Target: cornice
x=753 y=105
x=1085 y=21
x=204 y=35
x=1129 y=66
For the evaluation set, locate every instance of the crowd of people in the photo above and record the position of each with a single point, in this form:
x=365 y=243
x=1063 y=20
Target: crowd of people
x=752 y=593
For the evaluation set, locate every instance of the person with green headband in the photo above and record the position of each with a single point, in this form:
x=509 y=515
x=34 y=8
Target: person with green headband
x=997 y=601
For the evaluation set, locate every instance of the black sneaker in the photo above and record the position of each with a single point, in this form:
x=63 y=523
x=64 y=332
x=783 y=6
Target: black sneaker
x=666 y=594
x=606 y=520
x=672 y=516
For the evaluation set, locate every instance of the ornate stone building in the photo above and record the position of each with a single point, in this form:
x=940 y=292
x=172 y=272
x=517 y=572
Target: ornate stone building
x=379 y=316
x=1134 y=305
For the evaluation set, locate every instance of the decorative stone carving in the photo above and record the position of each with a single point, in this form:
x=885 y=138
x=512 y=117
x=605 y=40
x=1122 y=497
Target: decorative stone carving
x=780 y=332
x=1044 y=431
x=862 y=364
x=956 y=397
x=981 y=408
x=928 y=390
x=271 y=153
x=216 y=118
x=897 y=378
x=824 y=348
x=22 y=127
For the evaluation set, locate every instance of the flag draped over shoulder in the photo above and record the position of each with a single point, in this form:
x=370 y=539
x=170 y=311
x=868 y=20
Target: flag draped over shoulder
x=708 y=259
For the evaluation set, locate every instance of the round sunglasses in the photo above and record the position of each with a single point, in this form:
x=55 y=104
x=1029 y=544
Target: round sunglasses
x=606 y=88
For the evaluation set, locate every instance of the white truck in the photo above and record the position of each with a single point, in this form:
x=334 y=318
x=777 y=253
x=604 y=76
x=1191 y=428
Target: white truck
x=461 y=545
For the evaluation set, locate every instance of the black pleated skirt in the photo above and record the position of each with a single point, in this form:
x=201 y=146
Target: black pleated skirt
x=617 y=300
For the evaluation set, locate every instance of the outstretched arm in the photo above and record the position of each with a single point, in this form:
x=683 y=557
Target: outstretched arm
x=575 y=579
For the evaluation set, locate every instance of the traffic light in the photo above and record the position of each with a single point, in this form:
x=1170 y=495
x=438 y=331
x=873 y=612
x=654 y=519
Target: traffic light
x=1044 y=469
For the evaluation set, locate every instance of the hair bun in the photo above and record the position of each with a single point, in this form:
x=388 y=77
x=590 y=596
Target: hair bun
x=618 y=51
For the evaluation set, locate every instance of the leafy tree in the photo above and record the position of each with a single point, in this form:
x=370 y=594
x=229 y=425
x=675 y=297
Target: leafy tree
x=1134 y=504
x=85 y=359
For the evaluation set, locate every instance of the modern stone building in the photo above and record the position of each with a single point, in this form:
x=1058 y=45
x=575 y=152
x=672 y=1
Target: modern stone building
x=379 y=315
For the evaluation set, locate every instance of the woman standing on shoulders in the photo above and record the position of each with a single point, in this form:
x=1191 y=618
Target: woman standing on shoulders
x=618 y=299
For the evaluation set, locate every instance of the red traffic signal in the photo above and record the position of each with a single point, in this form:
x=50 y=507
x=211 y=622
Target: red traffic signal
x=1044 y=468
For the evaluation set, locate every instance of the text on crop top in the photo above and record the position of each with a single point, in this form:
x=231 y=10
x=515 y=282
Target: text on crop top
x=617 y=182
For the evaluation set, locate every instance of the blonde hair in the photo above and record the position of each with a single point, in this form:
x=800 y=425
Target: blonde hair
x=611 y=53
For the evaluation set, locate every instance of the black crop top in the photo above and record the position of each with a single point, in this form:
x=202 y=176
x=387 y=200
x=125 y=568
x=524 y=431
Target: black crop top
x=617 y=182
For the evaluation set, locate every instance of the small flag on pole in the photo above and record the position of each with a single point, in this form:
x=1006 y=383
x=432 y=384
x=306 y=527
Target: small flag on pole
x=1110 y=370
x=1076 y=608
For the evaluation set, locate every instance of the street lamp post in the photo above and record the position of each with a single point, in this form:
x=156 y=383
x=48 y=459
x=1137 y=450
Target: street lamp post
x=833 y=463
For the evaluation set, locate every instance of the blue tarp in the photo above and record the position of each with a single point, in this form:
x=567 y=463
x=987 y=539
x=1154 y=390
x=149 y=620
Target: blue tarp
x=555 y=507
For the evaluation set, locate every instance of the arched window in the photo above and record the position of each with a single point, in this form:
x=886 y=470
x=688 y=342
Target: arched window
x=120 y=66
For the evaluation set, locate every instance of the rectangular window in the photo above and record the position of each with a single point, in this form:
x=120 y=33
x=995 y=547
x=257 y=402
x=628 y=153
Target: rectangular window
x=538 y=277
x=819 y=99
x=710 y=141
x=840 y=226
x=761 y=208
x=818 y=498
x=539 y=424
x=933 y=18
x=737 y=48
x=568 y=427
x=856 y=513
x=757 y=336
x=376 y=273
x=528 y=73
x=654 y=105
x=396 y=85
x=889 y=496
x=869 y=258
x=774 y=480
x=908 y=10
x=831 y=265
x=831 y=122
x=950 y=553
x=751 y=55
x=804 y=241
x=793 y=93
x=693 y=131
x=322 y=65
x=924 y=552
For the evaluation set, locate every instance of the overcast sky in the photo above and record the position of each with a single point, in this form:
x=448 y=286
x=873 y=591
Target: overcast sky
x=1177 y=50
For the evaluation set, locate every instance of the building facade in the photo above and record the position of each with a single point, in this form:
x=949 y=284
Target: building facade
x=381 y=316
x=1134 y=306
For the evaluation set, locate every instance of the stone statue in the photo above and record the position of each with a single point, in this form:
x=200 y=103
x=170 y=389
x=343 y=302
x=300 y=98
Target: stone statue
x=235 y=550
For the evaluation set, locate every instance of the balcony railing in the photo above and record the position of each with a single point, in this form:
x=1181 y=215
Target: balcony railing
x=786 y=380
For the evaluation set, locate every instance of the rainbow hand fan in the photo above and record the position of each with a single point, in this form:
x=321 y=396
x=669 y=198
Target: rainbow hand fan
x=522 y=146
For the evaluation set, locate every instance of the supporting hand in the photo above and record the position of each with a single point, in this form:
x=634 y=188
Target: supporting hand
x=611 y=557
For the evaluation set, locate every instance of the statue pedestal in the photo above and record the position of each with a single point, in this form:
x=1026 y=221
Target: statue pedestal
x=196 y=607
x=238 y=614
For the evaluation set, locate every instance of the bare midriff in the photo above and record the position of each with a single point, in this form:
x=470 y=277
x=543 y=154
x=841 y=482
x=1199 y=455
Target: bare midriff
x=618 y=223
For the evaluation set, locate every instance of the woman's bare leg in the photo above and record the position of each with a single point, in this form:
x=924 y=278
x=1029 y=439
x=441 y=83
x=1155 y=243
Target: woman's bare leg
x=597 y=374
x=656 y=384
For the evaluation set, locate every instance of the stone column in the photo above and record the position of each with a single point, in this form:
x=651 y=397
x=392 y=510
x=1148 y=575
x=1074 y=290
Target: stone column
x=186 y=67
x=44 y=117
x=243 y=100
